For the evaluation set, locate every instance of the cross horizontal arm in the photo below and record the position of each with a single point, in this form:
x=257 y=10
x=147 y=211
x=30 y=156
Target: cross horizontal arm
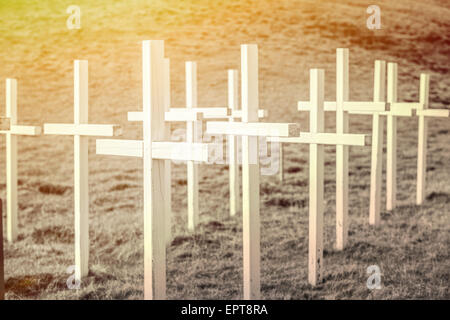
x=407 y=105
x=181 y=151
x=99 y=130
x=369 y=106
x=135 y=116
x=326 y=138
x=419 y=109
x=4 y=123
x=261 y=129
x=23 y=130
x=207 y=113
x=182 y=115
x=262 y=113
x=438 y=113
x=393 y=112
x=211 y=113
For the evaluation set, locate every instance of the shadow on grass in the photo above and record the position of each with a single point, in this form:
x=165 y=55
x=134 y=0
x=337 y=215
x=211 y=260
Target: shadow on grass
x=439 y=197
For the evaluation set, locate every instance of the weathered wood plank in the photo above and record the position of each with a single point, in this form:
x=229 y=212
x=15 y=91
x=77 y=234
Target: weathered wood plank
x=355 y=106
x=83 y=129
x=192 y=136
x=261 y=129
x=391 y=142
x=422 y=139
x=153 y=171
x=326 y=139
x=342 y=151
x=250 y=174
x=81 y=171
x=233 y=98
x=316 y=180
x=11 y=163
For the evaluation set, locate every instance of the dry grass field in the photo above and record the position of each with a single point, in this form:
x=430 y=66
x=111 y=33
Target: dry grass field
x=412 y=246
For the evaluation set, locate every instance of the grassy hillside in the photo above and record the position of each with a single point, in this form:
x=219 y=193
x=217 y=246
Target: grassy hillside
x=411 y=247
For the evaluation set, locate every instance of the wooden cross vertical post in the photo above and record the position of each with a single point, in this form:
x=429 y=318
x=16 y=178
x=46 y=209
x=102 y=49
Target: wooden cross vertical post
x=391 y=140
x=11 y=157
x=342 y=151
x=138 y=116
x=281 y=161
x=376 y=170
x=154 y=209
x=81 y=170
x=192 y=136
x=4 y=125
x=168 y=165
x=316 y=179
x=80 y=130
x=422 y=139
x=233 y=146
x=250 y=173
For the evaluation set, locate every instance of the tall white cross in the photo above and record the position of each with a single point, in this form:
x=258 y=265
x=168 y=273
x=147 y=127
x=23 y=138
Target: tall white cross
x=423 y=112
x=250 y=129
x=155 y=150
x=317 y=138
x=81 y=131
x=11 y=157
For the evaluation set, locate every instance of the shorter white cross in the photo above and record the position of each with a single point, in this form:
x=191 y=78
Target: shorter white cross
x=250 y=129
x=81 y=131
x=11 y=157
x=423 y=112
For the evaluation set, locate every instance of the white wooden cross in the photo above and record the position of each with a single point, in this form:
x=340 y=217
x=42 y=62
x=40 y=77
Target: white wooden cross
x=250 y=129
x=423 y=112
x=376 y=109
x=317 y=138
x=154 y=149
x=81 y=130
x=11 y=157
